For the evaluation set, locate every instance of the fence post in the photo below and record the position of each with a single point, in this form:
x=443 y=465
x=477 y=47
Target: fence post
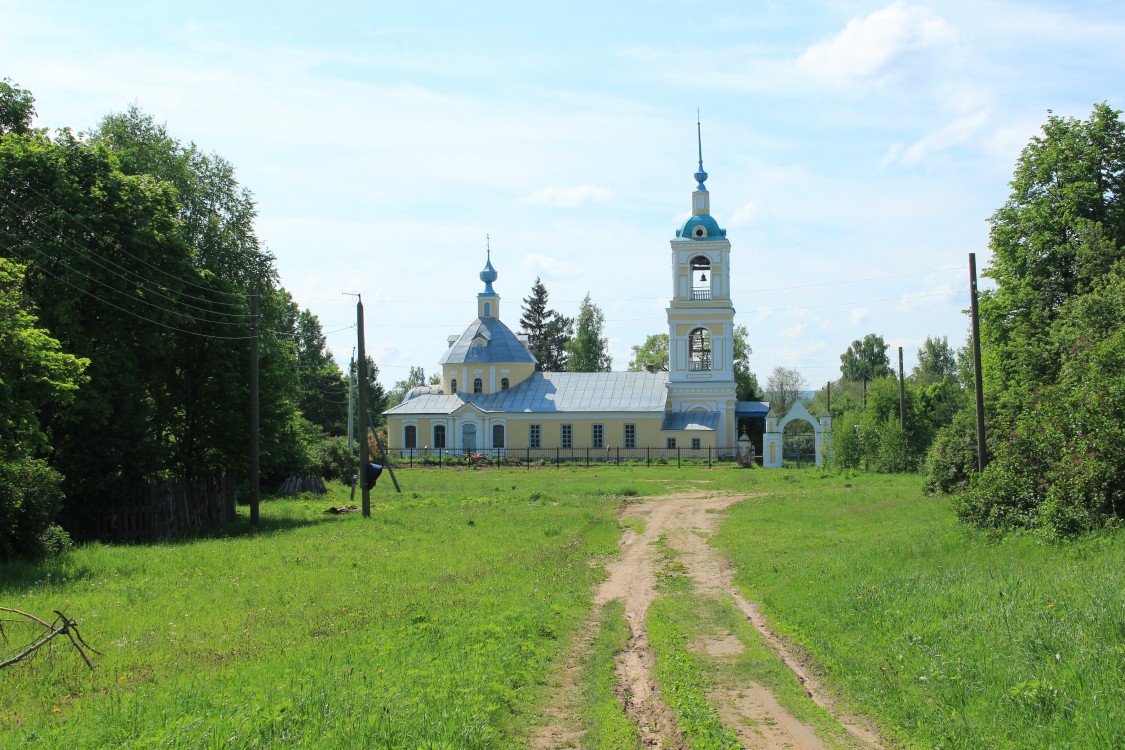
x=678 y=449
x=708 y=457
x=587 y=457
x=618 y=455
x=647 y=463
x=556 y=457
x=529 y=457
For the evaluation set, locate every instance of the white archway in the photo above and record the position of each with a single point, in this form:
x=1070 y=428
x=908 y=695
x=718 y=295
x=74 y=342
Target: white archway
x=771 y=439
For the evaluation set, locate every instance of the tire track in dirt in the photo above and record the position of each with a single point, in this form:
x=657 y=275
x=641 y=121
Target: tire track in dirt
x=686 y=521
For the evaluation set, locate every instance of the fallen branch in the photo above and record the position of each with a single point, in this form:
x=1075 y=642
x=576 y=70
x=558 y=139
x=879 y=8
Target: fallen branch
x=62 y=625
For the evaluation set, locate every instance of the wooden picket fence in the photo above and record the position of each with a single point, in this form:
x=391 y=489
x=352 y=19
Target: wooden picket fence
x=160 y=509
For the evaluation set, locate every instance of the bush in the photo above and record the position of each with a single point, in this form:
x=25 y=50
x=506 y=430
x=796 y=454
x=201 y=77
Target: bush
x=30 y=498
x=1061 y=468
x=951 y=463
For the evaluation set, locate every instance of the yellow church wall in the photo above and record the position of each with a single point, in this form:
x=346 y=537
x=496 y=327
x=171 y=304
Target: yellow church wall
x=517 y=431
x=490 y=375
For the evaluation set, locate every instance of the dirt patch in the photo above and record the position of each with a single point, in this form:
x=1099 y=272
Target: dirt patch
x=686 y=521
x=728 y=645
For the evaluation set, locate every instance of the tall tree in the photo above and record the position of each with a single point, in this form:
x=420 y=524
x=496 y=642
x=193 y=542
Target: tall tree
x=324 y=391
x=936 y=361
x=17 y=108
x=547 y=331
x=746 y=382
x=653 y=353
x=589 y=349
x=784 y=388
x=866 y=359
x=415 y=378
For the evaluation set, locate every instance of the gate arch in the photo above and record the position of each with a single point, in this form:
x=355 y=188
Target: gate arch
x=771 y=439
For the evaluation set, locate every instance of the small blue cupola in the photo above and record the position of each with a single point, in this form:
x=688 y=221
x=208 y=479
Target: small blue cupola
x=488 y=301
x=700 y=226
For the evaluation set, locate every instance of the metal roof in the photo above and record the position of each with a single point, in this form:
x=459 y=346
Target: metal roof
x=487 y=340
x=751 y=408
x=546 y=392
x=691 y=420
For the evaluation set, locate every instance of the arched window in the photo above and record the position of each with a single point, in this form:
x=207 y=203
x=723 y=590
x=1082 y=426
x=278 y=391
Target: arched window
x=699 y=350
x=488 y=309
x=410 y=436
x=439 y=436
x=453 y=385
x=504 y=384
x=701 y=278
x=478 y=385
x=497 y=436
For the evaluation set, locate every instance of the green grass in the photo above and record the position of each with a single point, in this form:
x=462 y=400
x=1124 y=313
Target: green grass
x=431 y=624
x=607 y=727
x=949 y=638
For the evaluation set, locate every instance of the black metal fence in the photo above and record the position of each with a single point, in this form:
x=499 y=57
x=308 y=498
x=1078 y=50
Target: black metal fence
x=581 y=457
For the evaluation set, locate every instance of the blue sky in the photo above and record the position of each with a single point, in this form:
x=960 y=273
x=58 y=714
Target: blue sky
x=856 y=149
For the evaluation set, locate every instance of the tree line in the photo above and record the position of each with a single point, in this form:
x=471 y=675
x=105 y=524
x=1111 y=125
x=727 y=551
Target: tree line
x=1052 y=355
x=127 y=260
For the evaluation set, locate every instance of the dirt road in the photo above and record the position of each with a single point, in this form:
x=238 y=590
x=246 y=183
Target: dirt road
x=686 y=522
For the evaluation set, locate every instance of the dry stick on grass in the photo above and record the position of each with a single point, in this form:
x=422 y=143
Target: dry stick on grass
x=62 y=625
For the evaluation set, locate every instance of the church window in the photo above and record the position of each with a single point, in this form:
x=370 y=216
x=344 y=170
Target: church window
x=534 y=436
x=699 y=350
x=453 y=385
x=630 y=436
x=497 y=436
x=696 y=443
x=410 y=436
x=439 y=436
x=598 y=436
x=670 y=443
x=487 y=309
x=504 y=384
x=478 y=385
x=567 y=436
x=701 y=278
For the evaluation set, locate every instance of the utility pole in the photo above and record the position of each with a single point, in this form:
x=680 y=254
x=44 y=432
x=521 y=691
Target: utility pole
x=255 y=462
x=361 y=370
x=982 y=457
x=901 y=394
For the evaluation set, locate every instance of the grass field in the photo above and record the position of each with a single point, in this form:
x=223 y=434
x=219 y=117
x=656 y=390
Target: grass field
x=434 y=623
x=949 y=638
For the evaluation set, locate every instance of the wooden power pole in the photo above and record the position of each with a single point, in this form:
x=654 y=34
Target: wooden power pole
x=982 y=458
x=361 y=369
x=255 y=459
x=901 y=394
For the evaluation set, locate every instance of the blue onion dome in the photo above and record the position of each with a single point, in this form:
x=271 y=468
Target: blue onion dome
x=701 y=227
x=488 y=275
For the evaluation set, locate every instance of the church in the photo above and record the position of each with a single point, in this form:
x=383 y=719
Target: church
x=492 y=398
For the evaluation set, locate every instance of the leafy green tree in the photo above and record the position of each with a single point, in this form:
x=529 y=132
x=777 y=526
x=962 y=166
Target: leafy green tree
x=653 y=353
x=378 y=400
x=1061 y=229
x=588 y=351
x=865 y=360
x=324 y=391
x=746 y=382
x=784 y=388
x=36 y=376
x=547 y=331
x=17 y=108
x=1051 y=334
x=36 y=379
x=936 y=361
x=415 y=378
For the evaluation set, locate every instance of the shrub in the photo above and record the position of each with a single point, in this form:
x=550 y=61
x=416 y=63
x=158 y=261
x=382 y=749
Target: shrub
x=30 y=498
x=951 y=462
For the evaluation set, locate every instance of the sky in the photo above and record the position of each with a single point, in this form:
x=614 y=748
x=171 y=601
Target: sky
x=856 y=150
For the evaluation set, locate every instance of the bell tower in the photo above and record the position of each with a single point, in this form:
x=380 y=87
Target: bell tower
x=701 y=316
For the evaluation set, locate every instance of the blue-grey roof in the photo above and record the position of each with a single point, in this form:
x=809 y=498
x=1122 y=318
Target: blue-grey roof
x=545 y=392
x=751 y=408
x=687 y=231
x=690 y=420
x=487 y=340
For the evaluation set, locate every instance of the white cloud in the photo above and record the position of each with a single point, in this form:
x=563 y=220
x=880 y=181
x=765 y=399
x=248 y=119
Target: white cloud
x=874 y=46
x=792 y=331
x=567 y=197
x=744 y=214
x=858 y=315
x=960 y=131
